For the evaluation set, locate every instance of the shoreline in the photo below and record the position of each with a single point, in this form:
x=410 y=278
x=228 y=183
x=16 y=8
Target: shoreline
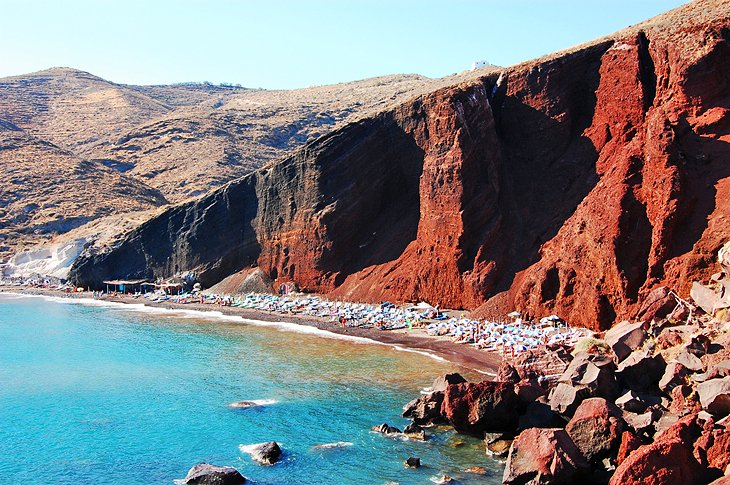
x=415 y=340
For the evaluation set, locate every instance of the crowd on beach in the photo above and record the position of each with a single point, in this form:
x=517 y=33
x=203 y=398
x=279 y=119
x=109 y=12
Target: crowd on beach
x=513 y=334
x=510 y=335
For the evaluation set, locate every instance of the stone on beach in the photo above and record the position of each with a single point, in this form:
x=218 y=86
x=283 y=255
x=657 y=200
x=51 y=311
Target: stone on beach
x=207 y=474
x=674 y=375
x=587 y=376
x=544 y=456
x=657 y=304
x=629 y=443
x=635 y=402
x=668 y=460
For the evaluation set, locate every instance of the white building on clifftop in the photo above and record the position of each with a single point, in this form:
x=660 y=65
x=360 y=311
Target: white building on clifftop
x=480 y=64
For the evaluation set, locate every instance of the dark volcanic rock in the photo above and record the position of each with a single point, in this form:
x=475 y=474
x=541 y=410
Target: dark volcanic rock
x=674 y=375
x=473 y=408
x=715 y=396
x=658 y=304
x=426 y=410
x=625 y=337
x=266 y=453
x=544 y=456
x=444 y=381
x=539 y=415
x=414 y=432
x=206 y=474
x=587 y=376
x=385 y=428
x=413 y=462
x=641 y=371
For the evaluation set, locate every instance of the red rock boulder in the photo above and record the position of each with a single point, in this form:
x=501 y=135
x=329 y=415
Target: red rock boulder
x=668 y=461
x=475 y=407
x=544 y=456
x=596 y=428
x=629 y=443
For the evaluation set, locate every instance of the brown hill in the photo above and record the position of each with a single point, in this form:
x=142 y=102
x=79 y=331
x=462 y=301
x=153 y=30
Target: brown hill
x=572 y=184
x=182 y=140
x=73 y=109
x=198 y=147
x=45 y=190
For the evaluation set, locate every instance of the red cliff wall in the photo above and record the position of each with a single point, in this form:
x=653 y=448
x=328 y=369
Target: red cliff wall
x=573 y=185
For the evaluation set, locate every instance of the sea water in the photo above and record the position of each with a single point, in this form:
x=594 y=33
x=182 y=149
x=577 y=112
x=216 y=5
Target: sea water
x=111 y=393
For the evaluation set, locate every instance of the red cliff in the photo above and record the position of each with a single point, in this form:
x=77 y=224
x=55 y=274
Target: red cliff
x=573 y=184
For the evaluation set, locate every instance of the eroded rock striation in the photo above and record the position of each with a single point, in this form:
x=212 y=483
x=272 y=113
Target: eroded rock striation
x=573 y=184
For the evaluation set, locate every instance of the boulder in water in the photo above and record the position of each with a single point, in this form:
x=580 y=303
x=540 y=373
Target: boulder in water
x=207 y=474
x=265 y=453
x=385 y=428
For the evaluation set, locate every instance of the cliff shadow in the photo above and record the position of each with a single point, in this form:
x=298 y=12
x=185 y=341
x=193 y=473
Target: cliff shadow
x=703 y=162
x=212 y=236
x=376 y=188
x=548 y=168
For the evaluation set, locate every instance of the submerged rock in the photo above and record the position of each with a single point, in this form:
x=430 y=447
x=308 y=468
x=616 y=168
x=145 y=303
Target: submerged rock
x=414 y=432
x=207 y=474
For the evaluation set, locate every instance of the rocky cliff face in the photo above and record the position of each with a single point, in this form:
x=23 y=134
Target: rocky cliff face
x=573 y=184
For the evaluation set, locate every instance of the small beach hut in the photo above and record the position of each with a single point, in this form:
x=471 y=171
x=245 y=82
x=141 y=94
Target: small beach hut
x=125 y=286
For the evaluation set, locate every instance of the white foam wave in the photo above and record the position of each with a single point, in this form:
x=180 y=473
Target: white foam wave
x=332 y=446
x=253 y=403
x=217 y=315
x=249 y=449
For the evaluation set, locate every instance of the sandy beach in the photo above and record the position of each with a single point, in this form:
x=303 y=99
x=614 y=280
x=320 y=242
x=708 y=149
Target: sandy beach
x=461 y=355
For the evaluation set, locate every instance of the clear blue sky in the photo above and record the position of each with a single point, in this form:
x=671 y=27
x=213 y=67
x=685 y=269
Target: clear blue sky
x=288 y=44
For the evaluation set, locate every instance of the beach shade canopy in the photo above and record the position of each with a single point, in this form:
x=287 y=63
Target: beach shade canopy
x=422 y=306
x=514 y=314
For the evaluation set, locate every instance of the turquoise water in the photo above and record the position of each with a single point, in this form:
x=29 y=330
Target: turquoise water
x=113 y=394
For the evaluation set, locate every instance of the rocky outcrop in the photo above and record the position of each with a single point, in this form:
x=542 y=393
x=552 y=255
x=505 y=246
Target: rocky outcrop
x=560 y=187
x=596 y=428
x=206 y=474
x=670 y=459
x=426 y=410
x=476 y=407
x=544 y=456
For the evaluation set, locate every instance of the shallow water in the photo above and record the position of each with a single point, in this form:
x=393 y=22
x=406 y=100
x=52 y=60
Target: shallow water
x=105 y=393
